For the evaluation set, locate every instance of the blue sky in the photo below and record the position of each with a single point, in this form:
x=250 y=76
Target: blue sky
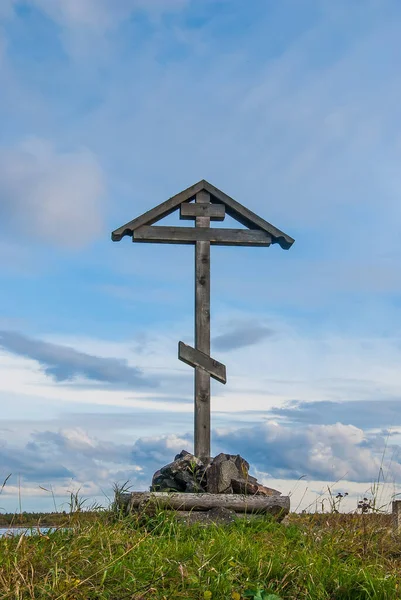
x=108 y=108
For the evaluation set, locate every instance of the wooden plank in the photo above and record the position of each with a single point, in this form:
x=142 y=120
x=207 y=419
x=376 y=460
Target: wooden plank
x=196 y=358
x=158 y=212
x=190 y=235
x=216 y=212
x=202 y=332
x=233 y=208
x=277 y=505
x=396 y=516
x=248 y=218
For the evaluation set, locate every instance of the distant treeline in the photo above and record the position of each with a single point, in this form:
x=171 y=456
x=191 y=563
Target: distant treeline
x=28 y=519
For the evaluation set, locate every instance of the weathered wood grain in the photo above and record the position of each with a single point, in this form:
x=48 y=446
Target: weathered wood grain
x=202 y=333
x=158 y=212
x=196 y=358
x=183 y=501
x=396 y=515
x=248 y=218
x=191 y=235
x=216 y=212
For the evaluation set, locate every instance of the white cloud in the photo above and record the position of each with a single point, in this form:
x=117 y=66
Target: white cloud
x=154 y=452
x=319 y=452
x=100 y=15
x=49 y=195
x=87 y=26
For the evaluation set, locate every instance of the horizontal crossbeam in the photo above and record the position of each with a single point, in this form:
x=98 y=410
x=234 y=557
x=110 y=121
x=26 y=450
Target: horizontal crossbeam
x=196 y=358
x=190 y=235
x=216 y=212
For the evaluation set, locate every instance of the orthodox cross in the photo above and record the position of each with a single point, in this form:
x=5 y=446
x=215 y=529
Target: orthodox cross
x=203 y=203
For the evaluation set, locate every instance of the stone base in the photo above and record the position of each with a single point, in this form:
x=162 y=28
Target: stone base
x=216 y=489
x=224 y=474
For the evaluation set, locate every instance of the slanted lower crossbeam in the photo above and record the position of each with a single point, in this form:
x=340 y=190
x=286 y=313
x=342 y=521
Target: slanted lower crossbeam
x=196 y=358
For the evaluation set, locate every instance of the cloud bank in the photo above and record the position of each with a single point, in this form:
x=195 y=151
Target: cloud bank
x=365 y=414
x=63 y=363
x=317 y=452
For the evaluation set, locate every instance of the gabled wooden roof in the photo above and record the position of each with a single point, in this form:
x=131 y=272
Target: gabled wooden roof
x=233 y=208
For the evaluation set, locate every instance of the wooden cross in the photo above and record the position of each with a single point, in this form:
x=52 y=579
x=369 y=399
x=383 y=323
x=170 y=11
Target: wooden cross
x=211 y=204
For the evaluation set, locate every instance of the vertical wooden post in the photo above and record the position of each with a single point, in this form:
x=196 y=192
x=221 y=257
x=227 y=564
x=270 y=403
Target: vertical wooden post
x=202 y=336
x=396 y=514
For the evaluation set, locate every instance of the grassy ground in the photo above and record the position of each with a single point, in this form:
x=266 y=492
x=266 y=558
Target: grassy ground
x=106 y=556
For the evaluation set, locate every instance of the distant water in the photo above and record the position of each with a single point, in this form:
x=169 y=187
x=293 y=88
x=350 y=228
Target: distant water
x=27 y=530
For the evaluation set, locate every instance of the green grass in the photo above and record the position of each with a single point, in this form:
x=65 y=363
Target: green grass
x=106 y=556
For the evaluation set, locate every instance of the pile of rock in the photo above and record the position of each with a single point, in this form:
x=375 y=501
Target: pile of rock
x=224 y=474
